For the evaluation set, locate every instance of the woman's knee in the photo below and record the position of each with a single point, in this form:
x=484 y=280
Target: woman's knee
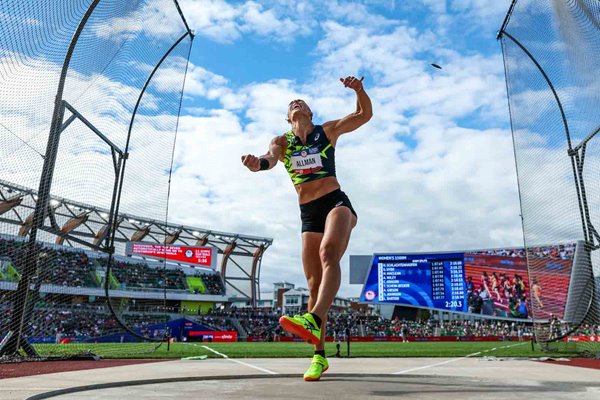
x=328 y=254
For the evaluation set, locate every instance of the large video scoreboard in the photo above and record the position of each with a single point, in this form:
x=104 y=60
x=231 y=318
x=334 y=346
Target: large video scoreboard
x=493 y=282
x=429 y=280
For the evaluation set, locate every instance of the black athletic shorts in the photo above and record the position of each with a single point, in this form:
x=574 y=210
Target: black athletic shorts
x=314 y=213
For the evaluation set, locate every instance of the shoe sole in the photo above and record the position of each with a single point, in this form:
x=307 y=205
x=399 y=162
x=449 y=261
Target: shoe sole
x=311 y=379
x=298 y=330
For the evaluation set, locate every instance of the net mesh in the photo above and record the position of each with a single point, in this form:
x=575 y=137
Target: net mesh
x=551 y=53
x=67 y=292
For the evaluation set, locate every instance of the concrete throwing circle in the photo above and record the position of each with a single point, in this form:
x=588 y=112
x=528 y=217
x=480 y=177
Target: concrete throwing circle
x=332 y=386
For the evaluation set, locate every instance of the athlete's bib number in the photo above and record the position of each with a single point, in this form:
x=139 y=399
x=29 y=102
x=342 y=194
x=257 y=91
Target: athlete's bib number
x=306 y=161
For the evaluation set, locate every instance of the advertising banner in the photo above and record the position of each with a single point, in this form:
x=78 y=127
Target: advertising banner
x=213 y=336
x=201 y=256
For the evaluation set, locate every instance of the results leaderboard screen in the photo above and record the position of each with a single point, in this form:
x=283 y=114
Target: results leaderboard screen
x=423 y=280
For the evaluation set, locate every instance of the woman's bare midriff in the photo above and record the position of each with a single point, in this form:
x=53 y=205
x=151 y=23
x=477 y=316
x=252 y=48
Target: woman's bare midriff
x=310 y=191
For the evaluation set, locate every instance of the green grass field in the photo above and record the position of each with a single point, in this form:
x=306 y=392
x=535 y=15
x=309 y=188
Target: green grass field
x=280 y=350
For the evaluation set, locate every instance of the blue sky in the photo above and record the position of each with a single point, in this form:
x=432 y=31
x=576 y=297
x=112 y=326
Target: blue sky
x=250 y=58
x=433 y=170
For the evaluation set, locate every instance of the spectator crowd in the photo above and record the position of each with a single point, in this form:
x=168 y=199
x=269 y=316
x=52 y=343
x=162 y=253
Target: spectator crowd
x=498 y=294
x=75 y=268
x=561 y=251
x=82 y=321
x=264 y=324
x=89 y=321
x=212 y=282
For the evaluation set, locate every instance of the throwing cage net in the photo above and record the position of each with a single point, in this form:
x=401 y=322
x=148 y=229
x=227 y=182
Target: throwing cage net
x=551 y=54
x=90 y=94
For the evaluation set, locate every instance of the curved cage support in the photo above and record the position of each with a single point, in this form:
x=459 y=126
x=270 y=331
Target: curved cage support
x=68 y=213
x=551 y=50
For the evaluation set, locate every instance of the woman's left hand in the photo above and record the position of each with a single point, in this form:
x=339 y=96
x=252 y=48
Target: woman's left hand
x=353 y=83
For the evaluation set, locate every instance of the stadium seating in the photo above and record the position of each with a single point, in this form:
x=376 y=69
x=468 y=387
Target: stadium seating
x=76 y=268
x=139 y=275
x=69 y=267
x=260 y=323
x=213 y=283
x=205 y=283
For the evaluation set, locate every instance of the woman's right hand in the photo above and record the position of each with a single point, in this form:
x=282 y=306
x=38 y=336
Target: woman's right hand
x=251 y=162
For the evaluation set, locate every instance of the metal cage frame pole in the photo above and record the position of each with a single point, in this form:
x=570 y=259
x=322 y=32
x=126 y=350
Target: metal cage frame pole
x=573 y=154
x=576 y=158
x=255 y=286
x=506 y=19
x=515 y=152
x=18 y=319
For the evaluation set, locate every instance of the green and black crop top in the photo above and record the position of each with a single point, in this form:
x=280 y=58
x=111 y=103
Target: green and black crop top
x=311 y=161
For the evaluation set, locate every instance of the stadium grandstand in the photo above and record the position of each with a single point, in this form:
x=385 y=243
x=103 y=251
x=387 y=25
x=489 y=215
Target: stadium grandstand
x=87 y=248
x=196 y=303
x=261 y=324
x=74 y=225
x=152 y=293
x=77 y=268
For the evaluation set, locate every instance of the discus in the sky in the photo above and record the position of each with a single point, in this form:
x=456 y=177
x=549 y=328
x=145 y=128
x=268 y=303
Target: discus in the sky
x=436 y=66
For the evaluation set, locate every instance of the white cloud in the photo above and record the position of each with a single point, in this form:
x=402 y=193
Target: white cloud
x=152 y=18
x=84 y=168
x=482 y=11
x=481 y=17
x=455 y=190
x=418 y=179
x=269 y=23
x=12 y=18
x=550 y=208
x=437 y=6
x=214 y=19
x=356 y=14
x=225 y=23
x=199 y=81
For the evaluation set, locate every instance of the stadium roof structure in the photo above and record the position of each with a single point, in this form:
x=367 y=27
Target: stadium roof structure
x=76 y=224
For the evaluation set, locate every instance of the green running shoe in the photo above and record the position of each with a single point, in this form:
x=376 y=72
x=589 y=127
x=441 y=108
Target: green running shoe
x=318 y=365
x=303 y=326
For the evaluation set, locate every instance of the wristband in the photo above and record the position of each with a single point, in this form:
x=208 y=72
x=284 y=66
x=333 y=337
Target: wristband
x=264 y=164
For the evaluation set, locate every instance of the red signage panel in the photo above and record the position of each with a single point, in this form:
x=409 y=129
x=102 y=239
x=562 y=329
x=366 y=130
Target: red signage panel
x=185 y=254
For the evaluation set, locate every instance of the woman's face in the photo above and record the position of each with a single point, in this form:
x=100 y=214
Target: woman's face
x=298 y=106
